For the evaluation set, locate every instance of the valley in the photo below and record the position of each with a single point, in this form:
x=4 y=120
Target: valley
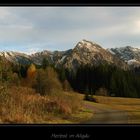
x=69 y=65
x=57 y=87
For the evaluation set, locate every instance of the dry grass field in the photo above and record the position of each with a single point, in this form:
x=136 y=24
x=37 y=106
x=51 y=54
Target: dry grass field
x=24 y=105
x=129 y=105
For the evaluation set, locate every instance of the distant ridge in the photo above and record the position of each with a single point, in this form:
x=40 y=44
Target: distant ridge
x=84 y=52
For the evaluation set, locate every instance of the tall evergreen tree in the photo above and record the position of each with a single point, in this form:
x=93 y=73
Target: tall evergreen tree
x=45 y=63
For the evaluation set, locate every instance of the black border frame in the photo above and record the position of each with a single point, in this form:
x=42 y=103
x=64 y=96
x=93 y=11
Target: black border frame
x=70 y=3
x=95 y=131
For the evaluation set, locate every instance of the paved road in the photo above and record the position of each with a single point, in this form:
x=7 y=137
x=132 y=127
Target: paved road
x=106 y=115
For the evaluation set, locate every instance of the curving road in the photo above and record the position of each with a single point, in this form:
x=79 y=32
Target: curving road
x=106 y=115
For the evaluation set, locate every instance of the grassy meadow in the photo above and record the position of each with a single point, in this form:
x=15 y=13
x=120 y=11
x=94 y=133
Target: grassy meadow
x=130 y=105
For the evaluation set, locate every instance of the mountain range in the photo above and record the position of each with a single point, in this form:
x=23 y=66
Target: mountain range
x=84 y=52
x=128 y=54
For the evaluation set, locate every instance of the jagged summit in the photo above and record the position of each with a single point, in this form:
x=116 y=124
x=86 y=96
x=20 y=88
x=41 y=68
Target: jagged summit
x=86 y=45
x=84 y=41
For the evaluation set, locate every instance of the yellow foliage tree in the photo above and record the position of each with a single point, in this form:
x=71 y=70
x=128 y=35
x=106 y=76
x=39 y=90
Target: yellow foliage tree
x=31 y=74
x=31 y=71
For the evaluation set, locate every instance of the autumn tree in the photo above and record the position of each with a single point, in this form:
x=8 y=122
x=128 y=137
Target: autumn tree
x=47 y=82
x=31 y=73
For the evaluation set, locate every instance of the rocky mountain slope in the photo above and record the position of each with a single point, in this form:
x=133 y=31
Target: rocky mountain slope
x=128 y=54
x=85 y=52
x=16 y=57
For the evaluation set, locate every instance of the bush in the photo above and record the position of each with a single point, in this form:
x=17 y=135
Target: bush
x=15 y=79
x=90 y=98
x=102 y=92
x=64 y=103
x=66 y=86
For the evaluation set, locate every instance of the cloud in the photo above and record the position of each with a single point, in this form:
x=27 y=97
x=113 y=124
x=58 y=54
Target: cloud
x=31 y=29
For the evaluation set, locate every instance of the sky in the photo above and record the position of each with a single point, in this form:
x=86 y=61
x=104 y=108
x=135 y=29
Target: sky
x=33 y=29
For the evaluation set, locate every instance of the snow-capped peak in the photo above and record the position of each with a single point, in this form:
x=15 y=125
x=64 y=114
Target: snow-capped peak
x=86 y=42
x=87 y=45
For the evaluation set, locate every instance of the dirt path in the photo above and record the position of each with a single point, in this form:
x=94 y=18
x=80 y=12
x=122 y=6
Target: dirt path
x=103 y=114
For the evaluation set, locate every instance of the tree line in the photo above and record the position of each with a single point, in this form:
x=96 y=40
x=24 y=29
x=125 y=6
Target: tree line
x=44 y=78
x=105 y=79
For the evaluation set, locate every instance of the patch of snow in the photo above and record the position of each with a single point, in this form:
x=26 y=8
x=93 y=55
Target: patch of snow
x=87 y=45
x=111 y=51
x=5 y=54
x=130 y=62
x=62 y=59
x=51 y=57
x=79 y=44
x=136 y=50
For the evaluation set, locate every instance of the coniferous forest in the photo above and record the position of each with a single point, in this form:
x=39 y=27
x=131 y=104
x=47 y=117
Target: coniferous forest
x=106 y=80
